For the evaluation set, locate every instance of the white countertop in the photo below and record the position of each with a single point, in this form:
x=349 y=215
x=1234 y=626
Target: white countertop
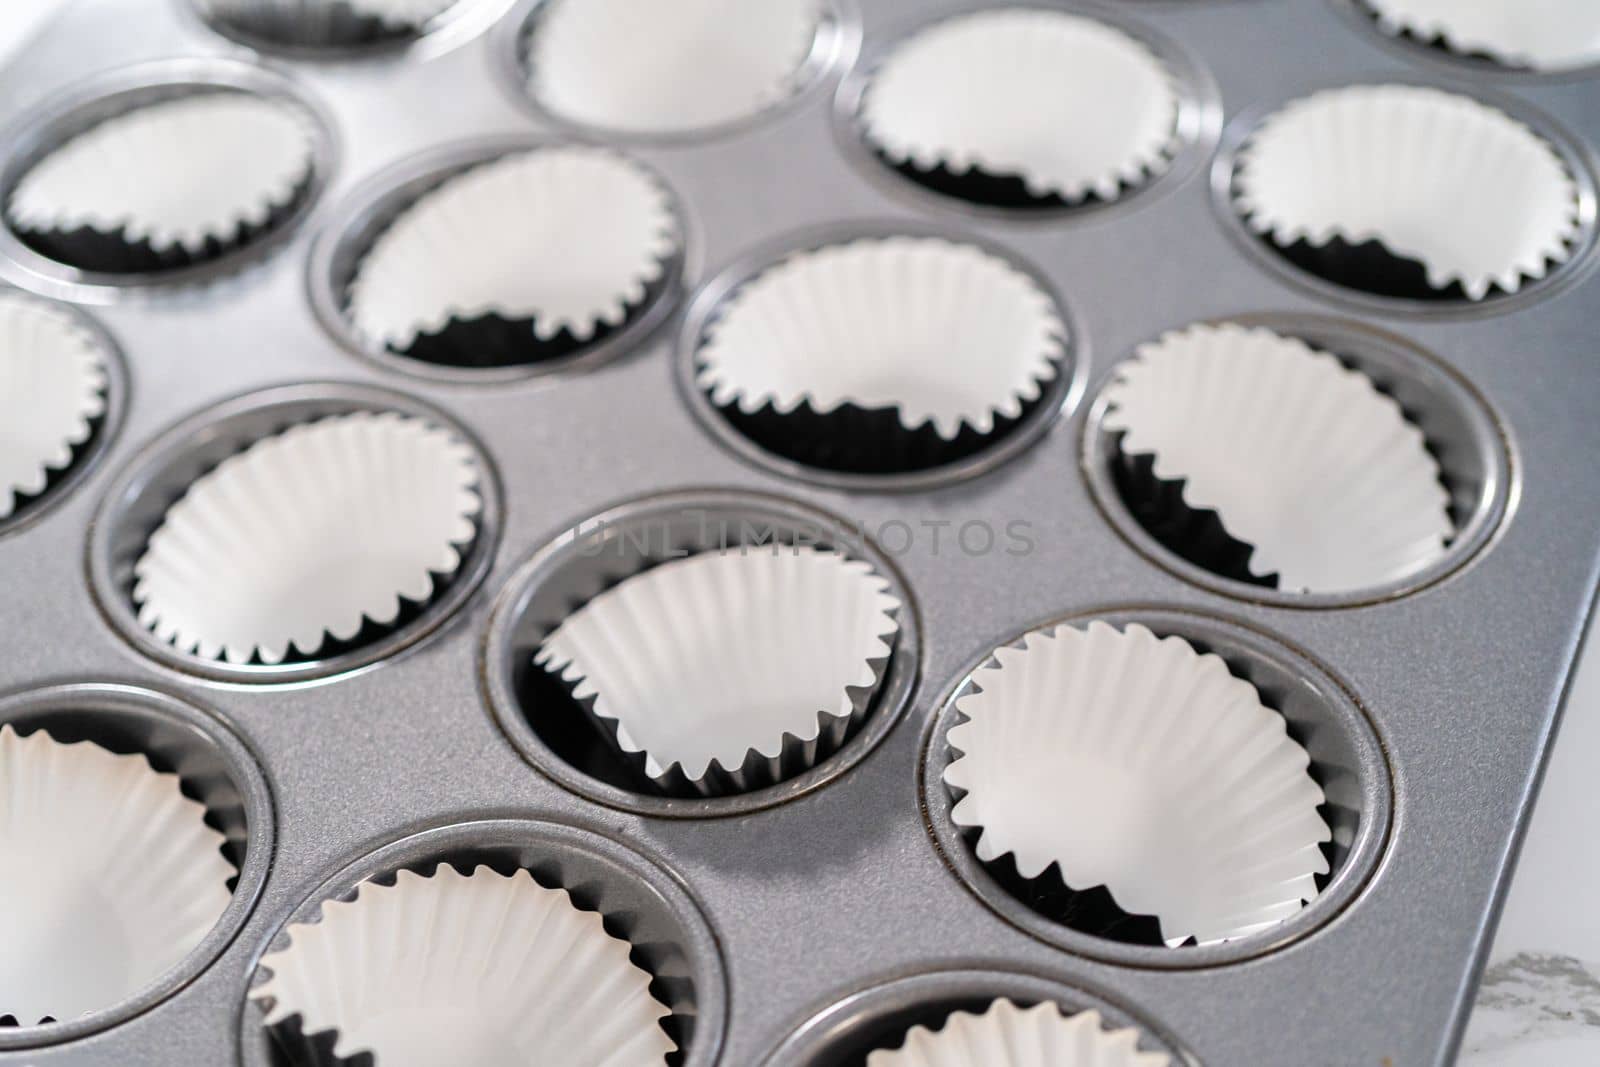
x=1540 y=999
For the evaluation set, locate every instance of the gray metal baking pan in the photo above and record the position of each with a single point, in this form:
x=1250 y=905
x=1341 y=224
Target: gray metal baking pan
x=813 y=917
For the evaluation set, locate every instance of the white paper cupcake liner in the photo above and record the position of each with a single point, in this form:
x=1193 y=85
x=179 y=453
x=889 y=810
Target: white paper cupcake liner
x=1135 y=763
x=1301 y=458
x=1069 y=105
x=722 y=664
x=1544 y=35
x=178 y=173
x=1471 y=193
x=946 y=334
x=1006 y=1035
x=109 y=877
x=570 y=237
x=481 y=969
x=669 y=66
x=308 y=534
x=52 y=387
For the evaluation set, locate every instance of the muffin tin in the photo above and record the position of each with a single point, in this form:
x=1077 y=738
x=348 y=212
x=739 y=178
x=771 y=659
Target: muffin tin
x=817 y=912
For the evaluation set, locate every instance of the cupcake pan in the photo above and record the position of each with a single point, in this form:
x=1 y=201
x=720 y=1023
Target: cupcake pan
x=826 y=886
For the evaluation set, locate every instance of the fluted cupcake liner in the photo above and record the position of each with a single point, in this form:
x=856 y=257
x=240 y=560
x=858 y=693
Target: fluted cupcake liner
x=1023 y=107
x=316 y=535
x=325 y=23
x=882 y=354
x=1553 y=35
x=1196 y=534
x=1006 y=1034
x=669 y=66
x=1345 y=181
x=1135 y=763
x=528 y=257
x=450 y=967
x=52 y=394
x=109 y=876
x=729 y=671
x=1301 y=460
x=167 y=184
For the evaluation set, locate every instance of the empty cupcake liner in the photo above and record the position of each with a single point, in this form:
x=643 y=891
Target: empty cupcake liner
x=109 y=876
x=167 y=184
x=728 y=671
x=479 y=968
x=526 y=257
x=1543 y=35
x=1095 y=757
x=1321 y=476
x=1006 y=1034
x=882 y=353
x=1473 y=196
x=1062 y=106
x=670 y=66
x=325 y=23
x=311 y=535
x=53 y=384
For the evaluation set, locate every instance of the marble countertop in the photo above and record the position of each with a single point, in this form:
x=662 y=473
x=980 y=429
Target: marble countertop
x=1540 y=998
